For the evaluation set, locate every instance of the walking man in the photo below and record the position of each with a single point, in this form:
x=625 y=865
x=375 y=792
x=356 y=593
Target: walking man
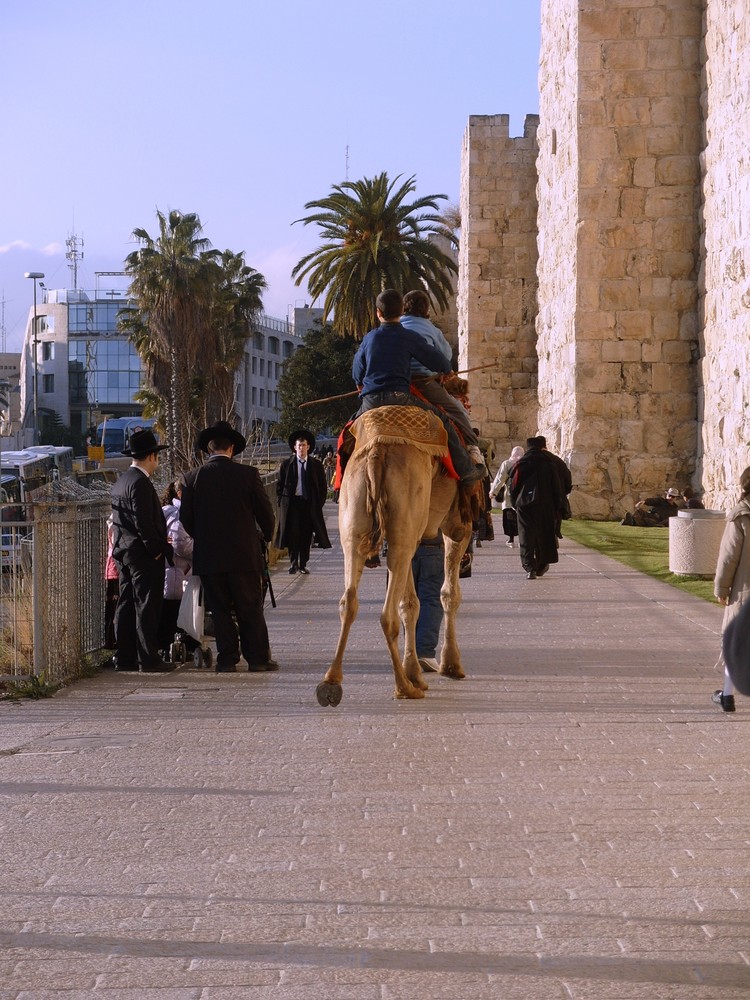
x=225 y=509
x=301 y=490
x=140 y=550
x=538 y=495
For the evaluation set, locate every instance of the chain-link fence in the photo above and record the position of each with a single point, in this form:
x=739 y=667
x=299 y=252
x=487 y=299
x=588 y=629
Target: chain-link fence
x=52 y=596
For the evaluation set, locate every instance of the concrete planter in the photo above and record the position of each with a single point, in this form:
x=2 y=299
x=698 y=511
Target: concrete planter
x=694 y=540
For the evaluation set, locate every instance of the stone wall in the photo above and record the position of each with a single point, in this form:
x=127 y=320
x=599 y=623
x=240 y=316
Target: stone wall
x=618 y=232
x=558 y=194
x=497 y=282
x=724 y=393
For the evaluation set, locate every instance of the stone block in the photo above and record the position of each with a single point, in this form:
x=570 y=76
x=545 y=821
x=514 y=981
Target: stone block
x=631 y=141
x=633 y=111
x=664 y=140
x=636 y=377
x=670 y=202
x=621 y=350
x=634 y=324
x=617 y=295
x=644 y=171
x=680 y=170
x=678 y=265
x=624 y=54
x=651 y=352
x=661 y=378
x=665 y=53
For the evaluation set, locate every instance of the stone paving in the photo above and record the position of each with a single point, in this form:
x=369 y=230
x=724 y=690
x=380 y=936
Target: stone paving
x=570 y=821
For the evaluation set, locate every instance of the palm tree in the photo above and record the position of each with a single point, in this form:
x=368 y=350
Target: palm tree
x=173 y=278
x=374 y=239
x=237 y=304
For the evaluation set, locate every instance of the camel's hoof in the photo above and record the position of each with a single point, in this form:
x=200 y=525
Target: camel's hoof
x=453 y=671
x=415 y=692
x=328 y=693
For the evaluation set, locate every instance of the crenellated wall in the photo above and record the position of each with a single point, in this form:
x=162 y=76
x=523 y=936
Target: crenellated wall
x=497 y=282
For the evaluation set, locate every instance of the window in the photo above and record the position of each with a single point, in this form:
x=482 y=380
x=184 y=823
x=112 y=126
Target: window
x=263 y=367
x=48 y=383
x=259 y=342
x=273 y=345
x=262 y=397
x=48 y=350
x=255 y=365
x=288 y=348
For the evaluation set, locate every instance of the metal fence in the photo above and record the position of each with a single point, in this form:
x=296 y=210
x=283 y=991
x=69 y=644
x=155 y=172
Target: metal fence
x=52 y=596
x=52 y=586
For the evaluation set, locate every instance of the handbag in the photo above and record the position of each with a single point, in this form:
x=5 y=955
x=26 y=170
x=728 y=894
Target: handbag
x=192 y=609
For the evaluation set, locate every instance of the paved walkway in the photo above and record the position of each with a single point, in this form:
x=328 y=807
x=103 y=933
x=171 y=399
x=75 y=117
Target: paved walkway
x=570 y=821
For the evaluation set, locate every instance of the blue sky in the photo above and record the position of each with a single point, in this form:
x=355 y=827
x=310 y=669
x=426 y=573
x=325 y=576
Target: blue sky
x=238 y=110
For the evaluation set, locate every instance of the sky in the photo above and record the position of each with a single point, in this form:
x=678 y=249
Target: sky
x=238 y=110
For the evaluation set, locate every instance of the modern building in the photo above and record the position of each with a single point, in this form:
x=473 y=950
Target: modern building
x=85 y=367
x=10 y=393
x=257 y=403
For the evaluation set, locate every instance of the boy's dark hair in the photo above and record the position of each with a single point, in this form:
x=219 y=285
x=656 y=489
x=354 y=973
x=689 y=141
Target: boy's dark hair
x=417 y=303
x=390 y=304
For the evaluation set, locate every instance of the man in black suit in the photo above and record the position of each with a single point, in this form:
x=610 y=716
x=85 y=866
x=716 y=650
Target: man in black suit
x=140 y=549
x=225 y=508
x=302 y=489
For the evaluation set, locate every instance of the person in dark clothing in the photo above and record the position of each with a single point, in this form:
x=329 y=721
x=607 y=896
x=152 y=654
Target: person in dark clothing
x=140 y=549
x=566 y=480
x=225 y=509
x=655 y=512
x=538 y=495
x=301 y=489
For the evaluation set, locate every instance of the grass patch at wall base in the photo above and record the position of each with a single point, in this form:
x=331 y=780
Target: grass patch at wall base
x=643 y=549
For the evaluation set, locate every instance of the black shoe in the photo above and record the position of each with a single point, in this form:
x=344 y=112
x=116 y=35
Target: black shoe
x=160 y=667
x=725 y=700
x=373 y=562
x=531 y=575
x=628 y=520
x=293 y=570
x=543 y=570
x=258 y=668
x=305 y=570
x=228 y=668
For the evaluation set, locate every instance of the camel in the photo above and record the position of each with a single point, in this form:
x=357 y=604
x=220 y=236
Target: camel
x=396 y=488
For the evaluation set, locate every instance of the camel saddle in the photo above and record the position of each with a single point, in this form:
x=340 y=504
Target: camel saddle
x=410 y=425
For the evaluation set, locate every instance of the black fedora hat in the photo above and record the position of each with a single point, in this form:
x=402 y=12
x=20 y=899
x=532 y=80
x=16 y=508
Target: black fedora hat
x=142 y=443
x=221 y=431
x=301 y=435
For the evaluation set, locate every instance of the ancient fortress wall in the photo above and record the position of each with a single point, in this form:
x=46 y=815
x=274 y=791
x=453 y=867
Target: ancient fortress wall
x=497 y=277
x=558 y=168
x=637 y=129
x=724 y=395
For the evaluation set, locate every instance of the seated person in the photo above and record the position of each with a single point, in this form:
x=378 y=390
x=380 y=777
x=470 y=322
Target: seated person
x=382 y=371
x=429 y=383
x=655 y=512
x=692 y=500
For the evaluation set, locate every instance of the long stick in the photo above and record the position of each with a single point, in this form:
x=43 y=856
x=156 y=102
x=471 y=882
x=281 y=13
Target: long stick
x=354 y=392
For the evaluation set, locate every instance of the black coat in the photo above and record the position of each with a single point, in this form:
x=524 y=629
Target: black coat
x=224 y=504
x=537 y=492
x=139 y=528
x=317 y=488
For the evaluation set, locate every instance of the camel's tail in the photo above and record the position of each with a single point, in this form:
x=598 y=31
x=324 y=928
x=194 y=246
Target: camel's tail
x=377 y=499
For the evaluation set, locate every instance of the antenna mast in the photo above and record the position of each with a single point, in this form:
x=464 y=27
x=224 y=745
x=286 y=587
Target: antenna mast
x=74 y=253
x=3 y=331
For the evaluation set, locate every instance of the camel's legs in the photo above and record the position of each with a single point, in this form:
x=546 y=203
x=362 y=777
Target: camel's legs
x=399 y=572
x=409 y=613
x=450 y=597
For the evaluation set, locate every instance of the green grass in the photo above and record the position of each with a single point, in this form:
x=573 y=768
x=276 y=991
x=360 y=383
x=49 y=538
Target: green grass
x=643 y=549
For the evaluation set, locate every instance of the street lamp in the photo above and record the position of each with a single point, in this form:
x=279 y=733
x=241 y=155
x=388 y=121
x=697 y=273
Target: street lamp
x=35 y=276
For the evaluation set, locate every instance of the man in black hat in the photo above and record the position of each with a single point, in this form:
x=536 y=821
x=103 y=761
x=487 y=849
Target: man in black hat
x=141 y=549
x=302 y=489
x=225 y=508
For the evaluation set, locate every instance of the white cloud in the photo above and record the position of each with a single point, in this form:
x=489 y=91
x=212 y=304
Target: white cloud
x=15 y=245
x=52 y=249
